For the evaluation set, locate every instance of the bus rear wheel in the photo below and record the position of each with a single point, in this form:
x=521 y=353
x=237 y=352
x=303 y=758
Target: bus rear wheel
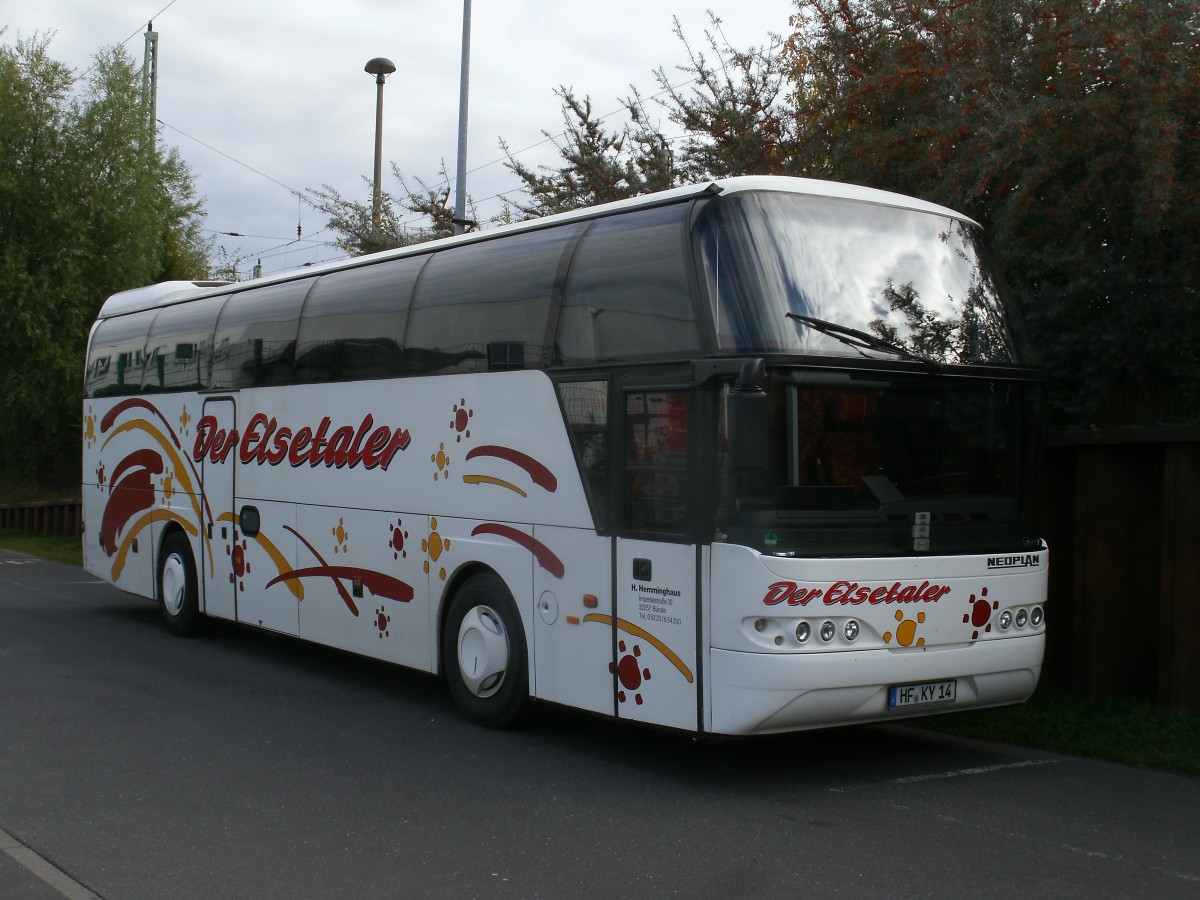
x=483 y=649
x=178 y=596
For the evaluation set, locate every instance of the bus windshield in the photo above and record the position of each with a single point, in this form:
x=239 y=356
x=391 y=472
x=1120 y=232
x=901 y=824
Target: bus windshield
x=877 y=464
x=797 y=273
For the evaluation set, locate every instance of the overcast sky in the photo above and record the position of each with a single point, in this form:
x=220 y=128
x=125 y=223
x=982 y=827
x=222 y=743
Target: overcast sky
x=263 y=96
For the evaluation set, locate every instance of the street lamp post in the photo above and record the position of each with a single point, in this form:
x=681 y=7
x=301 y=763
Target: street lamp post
x=380 y=68
x=460 y=181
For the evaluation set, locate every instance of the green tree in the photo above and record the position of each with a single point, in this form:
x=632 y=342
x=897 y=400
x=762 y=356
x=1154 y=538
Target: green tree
x=88 y=206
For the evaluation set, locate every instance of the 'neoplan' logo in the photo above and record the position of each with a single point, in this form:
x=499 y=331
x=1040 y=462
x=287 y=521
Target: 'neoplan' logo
x=1025 y=561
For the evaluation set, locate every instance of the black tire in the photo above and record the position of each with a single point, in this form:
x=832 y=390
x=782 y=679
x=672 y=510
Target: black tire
x=178 y=596
x=483 y=653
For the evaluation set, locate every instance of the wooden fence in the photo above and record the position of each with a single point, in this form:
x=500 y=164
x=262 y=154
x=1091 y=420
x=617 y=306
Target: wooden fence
x=61 y=518
x=1121 y=511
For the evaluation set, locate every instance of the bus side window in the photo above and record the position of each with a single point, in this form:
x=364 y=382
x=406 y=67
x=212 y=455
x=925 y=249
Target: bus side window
x=627 y=296
x=179 y=347
x=484 y=307
x=116 y=357
x=353 y=324
x=585 y=404
x=255 y=341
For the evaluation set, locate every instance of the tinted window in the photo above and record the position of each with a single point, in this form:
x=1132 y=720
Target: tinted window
x=116 y=356
x=485 y=306
x=585 y=404
x=627 y=295
x=255 y=342
x=353 y=325
x=179 y=348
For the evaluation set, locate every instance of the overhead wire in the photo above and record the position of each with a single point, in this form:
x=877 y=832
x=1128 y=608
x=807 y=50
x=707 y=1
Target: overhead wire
x=305 y=196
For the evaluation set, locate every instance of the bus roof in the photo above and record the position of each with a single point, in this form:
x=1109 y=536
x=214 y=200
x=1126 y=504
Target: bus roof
x=169 y=292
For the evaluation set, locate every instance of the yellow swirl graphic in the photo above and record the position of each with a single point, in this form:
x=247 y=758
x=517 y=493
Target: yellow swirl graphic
x=642 y=633
x=155 y=515
x=488 y=479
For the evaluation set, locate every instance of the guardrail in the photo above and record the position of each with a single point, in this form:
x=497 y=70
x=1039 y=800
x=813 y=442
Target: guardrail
x=60 y=518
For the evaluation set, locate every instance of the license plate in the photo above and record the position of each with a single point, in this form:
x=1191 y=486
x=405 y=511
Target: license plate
x=927 y=694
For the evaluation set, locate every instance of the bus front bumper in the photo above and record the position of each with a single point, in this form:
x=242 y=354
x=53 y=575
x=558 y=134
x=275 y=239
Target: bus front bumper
x=760 y=693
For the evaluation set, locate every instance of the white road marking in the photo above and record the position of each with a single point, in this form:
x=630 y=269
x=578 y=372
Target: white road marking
x=44 y=869
x=957 y=773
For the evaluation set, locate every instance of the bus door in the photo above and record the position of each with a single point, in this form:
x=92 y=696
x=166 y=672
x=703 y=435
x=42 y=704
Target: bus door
x=214 y=558
x=655 y=665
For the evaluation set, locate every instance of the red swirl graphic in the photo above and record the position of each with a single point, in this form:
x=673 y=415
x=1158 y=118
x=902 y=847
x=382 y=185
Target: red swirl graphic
x=379 y=584
x=131 y=491
x=540 y=475
x=543 y=554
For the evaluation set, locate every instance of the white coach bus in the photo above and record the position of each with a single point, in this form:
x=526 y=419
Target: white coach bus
x=737 y=458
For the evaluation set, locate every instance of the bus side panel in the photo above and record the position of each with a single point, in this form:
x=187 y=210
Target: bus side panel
x=366 y=590
x=657 y=618
x=573 y=628
x=138 y=477
x=267 y=589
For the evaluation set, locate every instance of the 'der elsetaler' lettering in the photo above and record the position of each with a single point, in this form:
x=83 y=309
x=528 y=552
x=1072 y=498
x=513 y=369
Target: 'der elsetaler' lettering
x=265 y=441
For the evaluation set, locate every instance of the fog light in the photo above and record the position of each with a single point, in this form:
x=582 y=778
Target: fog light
x=1035 y=617
x=827 y=631
x=803 y=632
x=851 y=630
x=1005 y=618
x=760 y=624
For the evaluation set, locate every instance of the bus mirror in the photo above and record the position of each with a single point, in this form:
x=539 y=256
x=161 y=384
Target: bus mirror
x=747 y=429
x=751 y=376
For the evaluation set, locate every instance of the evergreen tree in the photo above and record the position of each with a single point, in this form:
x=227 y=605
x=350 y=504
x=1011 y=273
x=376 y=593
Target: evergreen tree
x=599 y=166
x=352 y=219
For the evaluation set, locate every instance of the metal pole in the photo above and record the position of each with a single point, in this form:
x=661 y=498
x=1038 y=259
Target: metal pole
x=460 y=178
x=150 y=86
x=380 y=68
x=377 y=194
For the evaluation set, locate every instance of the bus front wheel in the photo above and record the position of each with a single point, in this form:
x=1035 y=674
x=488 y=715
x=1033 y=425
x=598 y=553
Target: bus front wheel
x=483 y=649
x=178 y=597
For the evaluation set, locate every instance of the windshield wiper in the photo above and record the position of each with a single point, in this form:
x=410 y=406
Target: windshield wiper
x=852 y=337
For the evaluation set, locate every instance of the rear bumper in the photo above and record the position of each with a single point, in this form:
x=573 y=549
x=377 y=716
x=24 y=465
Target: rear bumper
x=760 y=693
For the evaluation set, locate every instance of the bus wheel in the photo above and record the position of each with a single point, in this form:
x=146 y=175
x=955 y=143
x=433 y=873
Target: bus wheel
x=177 y=594
x=483 y=649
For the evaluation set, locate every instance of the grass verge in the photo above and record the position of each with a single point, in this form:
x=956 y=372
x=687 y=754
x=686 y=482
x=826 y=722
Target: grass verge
x=59 y=549
x=1123 y=731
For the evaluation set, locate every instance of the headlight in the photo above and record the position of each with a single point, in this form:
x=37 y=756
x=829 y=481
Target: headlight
x=803 y=632
x=1022 y=618
x=851 y=630
x=827 y=631
x=1035 y=617
x=1006 y=619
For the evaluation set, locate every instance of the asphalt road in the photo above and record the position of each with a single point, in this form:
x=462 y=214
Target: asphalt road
x=138 y=765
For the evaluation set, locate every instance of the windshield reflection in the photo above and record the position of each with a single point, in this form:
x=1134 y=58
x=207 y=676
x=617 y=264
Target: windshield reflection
x=918 y=281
